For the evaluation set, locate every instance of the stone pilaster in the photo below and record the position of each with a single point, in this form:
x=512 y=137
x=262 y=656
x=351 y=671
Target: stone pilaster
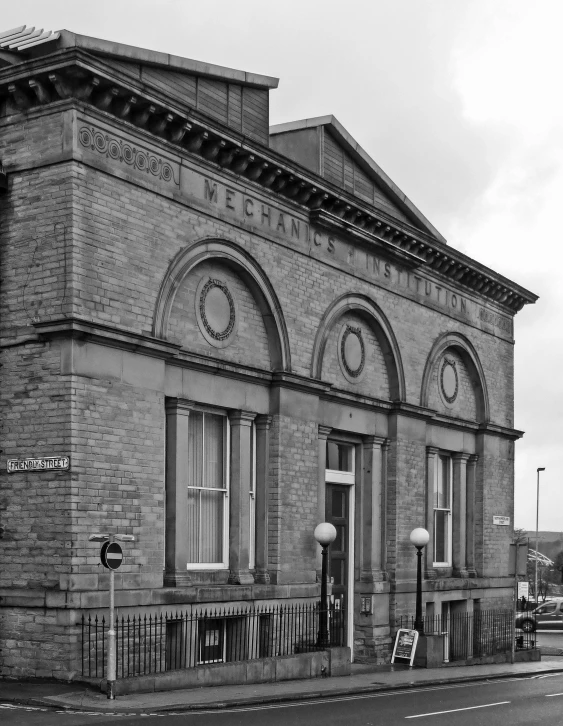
x=323 y=434
x=459 y=523
x=262 y=424
x=371 y=518
x=176 y=551
x=239 y=498
x=471 y=521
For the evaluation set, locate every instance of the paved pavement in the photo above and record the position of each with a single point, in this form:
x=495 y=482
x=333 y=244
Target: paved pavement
x=364 y=679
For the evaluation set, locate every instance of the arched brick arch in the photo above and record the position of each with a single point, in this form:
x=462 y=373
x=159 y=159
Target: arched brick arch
x=467 y=352
x=235 y=257
x=374 y=317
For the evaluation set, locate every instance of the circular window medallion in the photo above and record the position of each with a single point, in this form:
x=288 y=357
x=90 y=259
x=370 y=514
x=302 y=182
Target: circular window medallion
x=216 y=312
x=449 y=383
x=352 y=353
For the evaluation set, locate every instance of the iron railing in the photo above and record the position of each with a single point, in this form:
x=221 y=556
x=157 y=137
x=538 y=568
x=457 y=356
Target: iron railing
x=475 y=635
x=152 y=643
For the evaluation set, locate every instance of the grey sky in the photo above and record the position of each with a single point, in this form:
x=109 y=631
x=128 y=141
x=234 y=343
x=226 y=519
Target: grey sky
x=459 y=102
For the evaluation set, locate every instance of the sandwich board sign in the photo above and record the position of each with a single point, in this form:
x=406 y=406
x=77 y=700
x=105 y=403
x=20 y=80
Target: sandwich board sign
x=405 y=646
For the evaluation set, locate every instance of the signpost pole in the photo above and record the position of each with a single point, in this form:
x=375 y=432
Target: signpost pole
x=111 y=637
x=111 y=556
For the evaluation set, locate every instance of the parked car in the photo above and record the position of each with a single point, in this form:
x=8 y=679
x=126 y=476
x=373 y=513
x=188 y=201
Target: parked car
x=547 y=616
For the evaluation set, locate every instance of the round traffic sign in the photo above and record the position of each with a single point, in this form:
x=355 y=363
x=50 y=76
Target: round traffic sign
x=111 y=555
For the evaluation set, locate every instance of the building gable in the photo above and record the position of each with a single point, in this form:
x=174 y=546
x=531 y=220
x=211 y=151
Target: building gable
x=324 y=146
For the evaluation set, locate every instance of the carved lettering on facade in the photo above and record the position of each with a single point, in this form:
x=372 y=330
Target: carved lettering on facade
x=119 y=150
x=251 y=210
x=487 y=316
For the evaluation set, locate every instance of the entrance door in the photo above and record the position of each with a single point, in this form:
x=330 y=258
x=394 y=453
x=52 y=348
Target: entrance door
x=337 y=513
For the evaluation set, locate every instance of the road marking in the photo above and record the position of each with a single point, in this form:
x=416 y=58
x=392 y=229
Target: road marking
x=455 y=710
x=548 y=675
x=551 y=695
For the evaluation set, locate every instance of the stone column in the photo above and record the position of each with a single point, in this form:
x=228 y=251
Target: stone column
x=470 y=534
x=431 y=474
x=239 y=497
x=459 y=523
x=263 y=424
x=372 y=508
x=324 y=432
x=176 y=549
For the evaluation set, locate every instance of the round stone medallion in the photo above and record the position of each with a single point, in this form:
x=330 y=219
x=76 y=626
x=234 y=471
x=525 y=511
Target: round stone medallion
x=352 y=353
x=216 y=312
x=449 y=383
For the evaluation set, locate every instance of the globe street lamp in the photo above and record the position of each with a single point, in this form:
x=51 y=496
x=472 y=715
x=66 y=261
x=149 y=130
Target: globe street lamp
x=325 y=533
x=541 y=468
x=419 y=538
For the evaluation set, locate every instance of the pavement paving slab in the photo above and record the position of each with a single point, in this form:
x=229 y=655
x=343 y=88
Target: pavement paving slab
x=73 y=696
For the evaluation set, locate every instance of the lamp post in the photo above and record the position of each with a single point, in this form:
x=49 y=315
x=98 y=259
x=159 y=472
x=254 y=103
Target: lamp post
x=541 y=468
x=419 y=538
x=325 y=533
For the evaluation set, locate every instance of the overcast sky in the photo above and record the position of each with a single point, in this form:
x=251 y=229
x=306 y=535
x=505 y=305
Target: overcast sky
x=459 y=101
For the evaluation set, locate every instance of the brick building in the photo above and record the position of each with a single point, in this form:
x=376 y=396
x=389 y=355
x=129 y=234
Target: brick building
x=233 y=332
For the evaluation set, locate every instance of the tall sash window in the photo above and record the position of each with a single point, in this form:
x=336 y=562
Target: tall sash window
x=443 y=512
x=207 y=517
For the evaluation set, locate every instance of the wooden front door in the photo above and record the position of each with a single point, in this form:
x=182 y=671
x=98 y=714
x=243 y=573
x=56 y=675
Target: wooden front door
x=337 y=513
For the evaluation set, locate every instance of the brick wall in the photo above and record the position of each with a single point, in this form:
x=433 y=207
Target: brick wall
x=80 y=241
x=36 y=510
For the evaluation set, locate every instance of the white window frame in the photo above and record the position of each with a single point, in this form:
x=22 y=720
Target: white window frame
x=448 y=456
x=335 y=476
x=224 y=565
x=252 y=503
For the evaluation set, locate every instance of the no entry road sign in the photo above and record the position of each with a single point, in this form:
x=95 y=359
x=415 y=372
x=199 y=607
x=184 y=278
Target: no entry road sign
x=111 y=555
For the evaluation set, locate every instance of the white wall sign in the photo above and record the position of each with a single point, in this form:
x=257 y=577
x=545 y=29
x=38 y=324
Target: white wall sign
x=523 y=590
x=503 y=521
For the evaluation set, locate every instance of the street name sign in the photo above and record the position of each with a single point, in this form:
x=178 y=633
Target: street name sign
x=44 y=463
x=502 y=521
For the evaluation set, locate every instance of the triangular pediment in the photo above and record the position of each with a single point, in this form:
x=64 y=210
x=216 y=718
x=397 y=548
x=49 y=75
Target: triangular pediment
x=324 y=146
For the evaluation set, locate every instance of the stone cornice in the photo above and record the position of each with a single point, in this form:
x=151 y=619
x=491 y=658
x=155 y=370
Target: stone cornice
x=74 y=74
x=281 y=379
x=73 y=327
x=336 y=224
x=503 y=431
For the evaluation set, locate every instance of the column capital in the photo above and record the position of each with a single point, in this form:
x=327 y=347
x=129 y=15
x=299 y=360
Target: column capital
x=324 y=431
x=179 y=406
x=460 y=456
x=372 y=441
x=473 y=459
x=242 y=418
x=263 y=421
x=432 y=450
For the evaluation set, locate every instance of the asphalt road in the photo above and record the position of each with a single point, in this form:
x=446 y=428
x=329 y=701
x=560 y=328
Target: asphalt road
x=515 y=701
